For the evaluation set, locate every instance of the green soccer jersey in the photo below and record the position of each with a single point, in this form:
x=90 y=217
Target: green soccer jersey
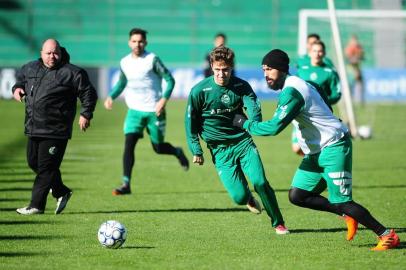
x=324 y=77
x=211 y=109
x=300 y=103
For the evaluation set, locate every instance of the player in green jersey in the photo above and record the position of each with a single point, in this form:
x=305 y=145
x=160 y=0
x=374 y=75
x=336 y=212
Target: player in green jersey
x=305 y=59
x=327 y=146
x=325 y=77
x=211 y=107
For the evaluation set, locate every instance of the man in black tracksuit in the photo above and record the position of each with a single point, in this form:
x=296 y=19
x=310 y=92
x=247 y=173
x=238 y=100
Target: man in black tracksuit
x=50 y=87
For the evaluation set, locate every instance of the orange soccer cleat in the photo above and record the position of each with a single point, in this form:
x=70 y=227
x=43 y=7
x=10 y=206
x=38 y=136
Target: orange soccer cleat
x=352 y=227
x=388 y=241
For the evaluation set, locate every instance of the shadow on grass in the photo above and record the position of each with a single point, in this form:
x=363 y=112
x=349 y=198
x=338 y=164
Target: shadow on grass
x=16 y=173
x=379 y=186
x=193 y=192
x=12 y=199
x=15 y=189
x=20 y=254
x=178 y=210
x=24 y=222
x=23 y=180
x=331 y=230
x=30 y=237
x=137 y=247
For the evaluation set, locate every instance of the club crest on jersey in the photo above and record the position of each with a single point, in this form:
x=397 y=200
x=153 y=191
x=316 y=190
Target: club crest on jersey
x=225 y=99
x=52 y=150
x=313 y=76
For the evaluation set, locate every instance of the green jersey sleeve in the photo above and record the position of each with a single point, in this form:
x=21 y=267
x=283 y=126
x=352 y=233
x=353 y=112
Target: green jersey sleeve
x=119 y=86
x=163 y=72
x=252 y=105
x=193 y=124
x=290 y=104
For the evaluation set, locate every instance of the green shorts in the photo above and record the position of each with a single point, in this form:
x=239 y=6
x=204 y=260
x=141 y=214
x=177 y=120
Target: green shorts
x=334 y=164
x=136 y=121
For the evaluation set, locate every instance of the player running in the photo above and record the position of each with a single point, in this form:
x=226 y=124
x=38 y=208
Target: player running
x=211 y=107
x=327 y=145
x=141 y=76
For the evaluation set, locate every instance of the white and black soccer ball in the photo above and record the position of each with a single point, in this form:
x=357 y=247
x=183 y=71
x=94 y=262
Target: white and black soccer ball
x=112 y=234
x=365 y=132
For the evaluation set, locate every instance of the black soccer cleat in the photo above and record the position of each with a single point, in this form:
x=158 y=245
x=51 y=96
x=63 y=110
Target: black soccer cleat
x=184 y=162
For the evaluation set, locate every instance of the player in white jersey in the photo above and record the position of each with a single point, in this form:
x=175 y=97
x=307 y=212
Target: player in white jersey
x=141 y=78
x=326 y=144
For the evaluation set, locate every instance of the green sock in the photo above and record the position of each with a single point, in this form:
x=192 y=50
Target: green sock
x=126 y=180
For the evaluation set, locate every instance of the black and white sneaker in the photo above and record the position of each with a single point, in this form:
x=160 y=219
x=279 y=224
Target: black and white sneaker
x=29 y=211
x=184 y=162
x=62 y=202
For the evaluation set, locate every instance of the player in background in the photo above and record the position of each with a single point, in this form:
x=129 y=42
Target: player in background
x=327 y=145
x=322 y=75
x=212 y=104
x=220 y=39
x=141 y=77
x=305 y=59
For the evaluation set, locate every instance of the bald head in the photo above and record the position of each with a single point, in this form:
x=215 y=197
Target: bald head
x=50 y=53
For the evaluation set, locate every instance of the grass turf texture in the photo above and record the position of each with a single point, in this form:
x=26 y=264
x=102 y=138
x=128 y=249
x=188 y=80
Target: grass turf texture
x=185 y=220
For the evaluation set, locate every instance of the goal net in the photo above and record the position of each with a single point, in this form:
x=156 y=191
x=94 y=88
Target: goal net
x=382 y=36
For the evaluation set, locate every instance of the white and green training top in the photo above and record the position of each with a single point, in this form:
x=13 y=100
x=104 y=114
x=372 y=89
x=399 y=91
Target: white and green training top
x=141 y=78
x=300 y=103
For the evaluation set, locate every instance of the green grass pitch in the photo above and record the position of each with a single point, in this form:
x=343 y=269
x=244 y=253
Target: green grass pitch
x=185 y=220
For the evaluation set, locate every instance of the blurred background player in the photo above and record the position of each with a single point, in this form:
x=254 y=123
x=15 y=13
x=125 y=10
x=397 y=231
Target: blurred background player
x=305 y=59
x=50 y=87
x=220 y=39
x=323 y=76
x=327 y=145
x=141 y=75
x=211 y=107
x=355 y=55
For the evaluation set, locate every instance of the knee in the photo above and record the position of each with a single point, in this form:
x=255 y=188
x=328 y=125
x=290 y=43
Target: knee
x=295 y=196
x=240 y=198
x=157 y=148
x=33 y=165
x=262 y=186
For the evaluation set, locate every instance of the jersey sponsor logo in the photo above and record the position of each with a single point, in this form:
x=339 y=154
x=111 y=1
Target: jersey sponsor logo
x=207 y=89
x=313 y=76
x=221 y=111
x=52 y=150
x=225 y=99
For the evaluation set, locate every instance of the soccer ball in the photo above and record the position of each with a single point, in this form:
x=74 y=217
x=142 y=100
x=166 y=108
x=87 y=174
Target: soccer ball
x=112 y=234
x=365 y=132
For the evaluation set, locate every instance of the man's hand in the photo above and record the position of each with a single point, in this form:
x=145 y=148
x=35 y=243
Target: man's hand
x=198 y=159
x=160 y=106
x=19 y=94
x=84 y=123
x=239 y=120
x=108 y=103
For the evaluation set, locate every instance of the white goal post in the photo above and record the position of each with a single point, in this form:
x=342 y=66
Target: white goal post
x=331 y=15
